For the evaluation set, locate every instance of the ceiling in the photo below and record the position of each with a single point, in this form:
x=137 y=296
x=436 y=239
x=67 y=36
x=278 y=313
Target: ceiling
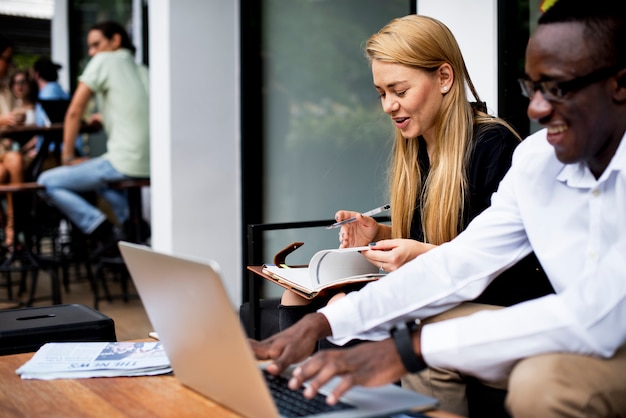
x=38 y=9
x=30 y=36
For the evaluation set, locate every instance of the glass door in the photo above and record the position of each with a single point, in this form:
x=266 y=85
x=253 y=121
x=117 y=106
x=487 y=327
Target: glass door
x=315 y=139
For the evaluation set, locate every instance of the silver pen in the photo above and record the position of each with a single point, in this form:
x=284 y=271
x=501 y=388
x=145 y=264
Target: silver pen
x=371 y=212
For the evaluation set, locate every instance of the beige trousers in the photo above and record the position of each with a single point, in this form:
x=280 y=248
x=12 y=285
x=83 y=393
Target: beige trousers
x=548 y=385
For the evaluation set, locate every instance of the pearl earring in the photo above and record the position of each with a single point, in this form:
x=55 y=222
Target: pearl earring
x=445 y=89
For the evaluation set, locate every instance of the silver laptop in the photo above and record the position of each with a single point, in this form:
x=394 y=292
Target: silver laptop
x=208 y=349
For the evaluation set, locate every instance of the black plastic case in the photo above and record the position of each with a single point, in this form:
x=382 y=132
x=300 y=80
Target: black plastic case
x=27 y=329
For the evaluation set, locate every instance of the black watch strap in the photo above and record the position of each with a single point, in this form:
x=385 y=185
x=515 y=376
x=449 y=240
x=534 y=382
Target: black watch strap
x=401 y=335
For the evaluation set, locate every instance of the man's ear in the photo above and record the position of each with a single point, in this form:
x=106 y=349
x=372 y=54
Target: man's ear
x=116 y=40
x=620 y=92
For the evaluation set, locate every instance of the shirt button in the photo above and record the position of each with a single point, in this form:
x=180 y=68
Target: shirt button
x=595 y=192
x=592 y=254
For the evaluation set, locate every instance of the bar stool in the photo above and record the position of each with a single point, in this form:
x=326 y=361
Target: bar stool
x=135 y=233
x=135 y=220
x=21 y=196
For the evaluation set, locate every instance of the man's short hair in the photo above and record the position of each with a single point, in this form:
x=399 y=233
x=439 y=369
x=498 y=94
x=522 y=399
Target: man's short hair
x=605 y=25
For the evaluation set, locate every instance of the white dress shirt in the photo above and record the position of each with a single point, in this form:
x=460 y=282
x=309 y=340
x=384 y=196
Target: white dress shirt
x=577 y=227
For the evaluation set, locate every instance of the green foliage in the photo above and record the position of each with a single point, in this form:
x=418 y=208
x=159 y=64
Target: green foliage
x=334 y=125
x=24 y=62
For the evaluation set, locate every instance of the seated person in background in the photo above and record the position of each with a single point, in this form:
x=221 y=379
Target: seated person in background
x=8 y=117
x=560 y=355
x=449 y=158
x=11 y=167
x=46 y=75
x=122 y=87
x=24 y=91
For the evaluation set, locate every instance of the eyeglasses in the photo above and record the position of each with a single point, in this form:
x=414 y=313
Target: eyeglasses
x=557 y=90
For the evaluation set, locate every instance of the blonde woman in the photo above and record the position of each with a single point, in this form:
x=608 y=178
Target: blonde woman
x=449 y=156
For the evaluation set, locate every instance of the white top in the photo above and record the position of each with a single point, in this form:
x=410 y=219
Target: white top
x=577 y=227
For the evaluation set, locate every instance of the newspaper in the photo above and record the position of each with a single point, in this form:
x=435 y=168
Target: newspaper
x=81 y=360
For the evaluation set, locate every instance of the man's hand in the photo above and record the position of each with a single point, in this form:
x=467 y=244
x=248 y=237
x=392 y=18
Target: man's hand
x=367 y=364
x=74 y=160
x=95 y=121
x=293 y=344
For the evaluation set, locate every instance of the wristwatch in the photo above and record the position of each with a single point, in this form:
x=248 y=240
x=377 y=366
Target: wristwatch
x=401 y=335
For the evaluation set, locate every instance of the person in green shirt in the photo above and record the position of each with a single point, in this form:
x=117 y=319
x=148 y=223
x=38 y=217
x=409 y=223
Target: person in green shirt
x=121 y=88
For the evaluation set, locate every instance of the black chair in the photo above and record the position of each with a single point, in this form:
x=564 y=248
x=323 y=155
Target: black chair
x=260 y=316
x=135 y=230
x=55 y=109
x=24 y=258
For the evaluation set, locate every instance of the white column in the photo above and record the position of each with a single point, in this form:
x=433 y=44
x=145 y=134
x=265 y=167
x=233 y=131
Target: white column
x=475 y=27
x=60 y=42
x=195 y=135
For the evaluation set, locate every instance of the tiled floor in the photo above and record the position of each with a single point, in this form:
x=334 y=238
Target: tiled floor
x=131 y=321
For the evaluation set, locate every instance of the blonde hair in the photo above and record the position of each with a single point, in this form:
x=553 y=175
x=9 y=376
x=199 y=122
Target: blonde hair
x=425 y=43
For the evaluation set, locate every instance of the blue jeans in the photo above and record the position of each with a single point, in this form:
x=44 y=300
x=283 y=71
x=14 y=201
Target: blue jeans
x=63 y=185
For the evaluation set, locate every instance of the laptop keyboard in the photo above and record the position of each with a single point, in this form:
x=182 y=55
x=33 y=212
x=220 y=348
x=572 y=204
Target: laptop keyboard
x=292 y=403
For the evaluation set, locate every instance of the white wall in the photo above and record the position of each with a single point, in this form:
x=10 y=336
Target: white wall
x=475 y=27
x=195 y=139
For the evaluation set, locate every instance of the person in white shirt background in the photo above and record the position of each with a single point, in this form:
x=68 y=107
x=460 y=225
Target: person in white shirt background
x=563 y=198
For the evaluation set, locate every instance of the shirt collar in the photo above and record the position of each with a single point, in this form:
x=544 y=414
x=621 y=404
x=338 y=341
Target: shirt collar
x=579 y=175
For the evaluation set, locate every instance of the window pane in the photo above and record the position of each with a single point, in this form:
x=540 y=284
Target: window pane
x=327 y=140
x=83 y=15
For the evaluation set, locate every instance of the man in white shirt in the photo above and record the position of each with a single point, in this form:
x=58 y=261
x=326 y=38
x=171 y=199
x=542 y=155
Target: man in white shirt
x=565 y=199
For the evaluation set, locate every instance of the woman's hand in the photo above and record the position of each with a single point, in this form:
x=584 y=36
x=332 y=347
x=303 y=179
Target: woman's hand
x=358 y=233
x=390 y=254
x=13 y=118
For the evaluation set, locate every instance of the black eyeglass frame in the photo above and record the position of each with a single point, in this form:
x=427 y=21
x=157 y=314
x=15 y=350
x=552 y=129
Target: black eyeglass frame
x=557 y=90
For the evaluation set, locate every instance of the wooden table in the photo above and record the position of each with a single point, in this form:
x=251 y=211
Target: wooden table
x=112 y=397
x=51 y=134
x=149 y=396
x=23 y=133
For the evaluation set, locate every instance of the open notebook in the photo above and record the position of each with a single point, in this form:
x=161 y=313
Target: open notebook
x=203 y=338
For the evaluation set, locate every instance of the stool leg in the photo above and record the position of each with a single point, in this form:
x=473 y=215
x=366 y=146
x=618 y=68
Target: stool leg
x=124 y=279
x=33 y=288
x=56 y=286
x=99 y=276
x=65 y=273
x=23 y=281
x=9 y=283
x=94 y=287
